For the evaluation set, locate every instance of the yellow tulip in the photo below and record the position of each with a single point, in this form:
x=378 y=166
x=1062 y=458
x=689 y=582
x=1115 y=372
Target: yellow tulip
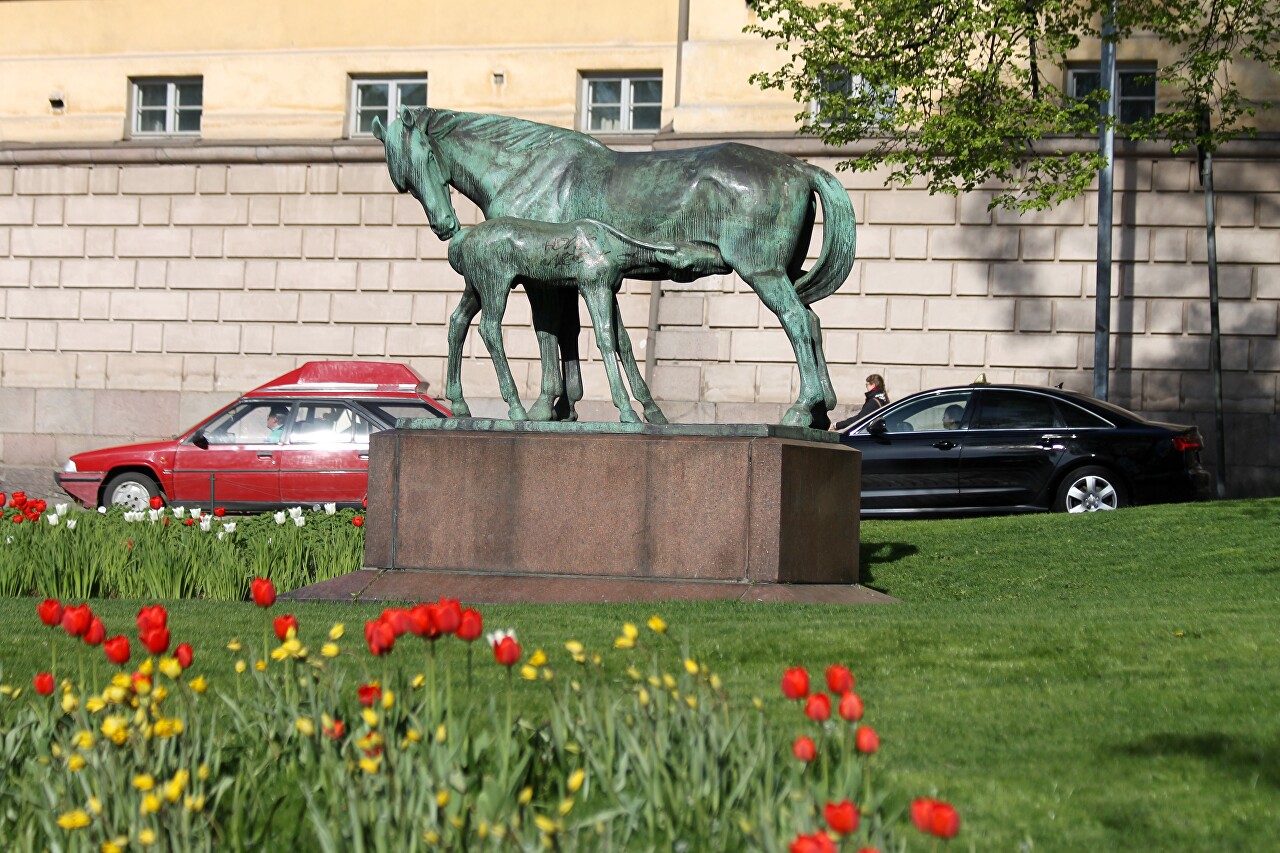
x=370 y=765
x=146 y=837
x=573 y=647
x=691 y=701
x=305 y=727
x=158 y=694
x=240 y=666
x=83 y=739
x=576 y=779
x=538 y=658
x=170 y=667
x=624 y=642
x=370 y=717
x=75 y=762
x=95 y=704
x=526 y=795
x=669 y=681
x=545 y=823
x=388 y=700
x=150 y=804
x=329 y=650
x=77 y=819
x=144 y=782
x=194 y=804
x=629 y=630
x=279 y=653
x=336 y=632
x=634 y=673
x=95 y=805
x=116 y=845
x=234 y=645
x=441 y=733
x=173 y=790
x=566 y=806
x=199 y=684
x=120 y=679
x=147 y=667
x=418 y=681
x=442 y=799
x=715 y=682
x=691 y=666
x=529 y=673
x=643 y=696
x=69 y=703
x=202 y=772
x=115 y=694
x=260 y=666
x=656 y=624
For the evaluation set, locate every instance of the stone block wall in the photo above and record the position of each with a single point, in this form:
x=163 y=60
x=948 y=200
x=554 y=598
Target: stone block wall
x=140 y=288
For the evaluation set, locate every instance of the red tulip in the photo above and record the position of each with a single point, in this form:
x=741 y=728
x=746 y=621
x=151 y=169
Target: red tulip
x=795 y=683
x=96 y=633
x=422 y=622
x=448 y=615
x=18 y=519
x=75 y=620
x=868 y=850
x=189 y=521
x=19 y=499
x=839 y=679
x=157 y=502
x=470 y=625
x=364 y=502
x=507 y=651
x=263 y=591
x=842 y=817
x=166 y=524
x=818 y=707
x=154 y=616
x=369 y=694
x=219 y=511
x=49 y=610
x=141 y=682
x=185 y=654
x=804 y=749
x=282 y=624
x=398 y=619
x=380 y=636
x=358 y=521
x=935 y=817
x=819 y=842
x=866 y=740
x=40 y=506
x=43 y=683
x=156 y=640
x=850 y=707
x=117 y=650
x=3 y=498
x=336 y=731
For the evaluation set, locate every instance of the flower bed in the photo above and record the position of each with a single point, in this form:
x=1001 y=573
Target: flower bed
x=124 y=744
x=169 y=552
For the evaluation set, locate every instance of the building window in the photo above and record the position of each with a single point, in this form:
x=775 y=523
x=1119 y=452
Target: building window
x=382 y=97
x=167 y=107
x=831 y=104
x=1136 y=90
x=622 y=104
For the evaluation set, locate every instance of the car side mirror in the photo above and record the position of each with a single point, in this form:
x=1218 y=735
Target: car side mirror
x=200 y=440
x=878 y=427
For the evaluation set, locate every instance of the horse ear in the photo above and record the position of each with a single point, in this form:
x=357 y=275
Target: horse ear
x=379 y=132
x=404 y=114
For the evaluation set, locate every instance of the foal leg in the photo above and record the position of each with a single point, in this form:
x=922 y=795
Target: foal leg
x=468 y=307
x=820 y=419
x=570 y=359
x=779 y=296
x=496 y=290
x=599 y=297
x=639 y=389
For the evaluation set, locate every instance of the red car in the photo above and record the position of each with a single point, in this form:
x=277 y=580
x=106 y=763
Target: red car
x=302 y=438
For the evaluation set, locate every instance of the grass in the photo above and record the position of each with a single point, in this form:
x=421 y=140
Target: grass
x=1098 y=682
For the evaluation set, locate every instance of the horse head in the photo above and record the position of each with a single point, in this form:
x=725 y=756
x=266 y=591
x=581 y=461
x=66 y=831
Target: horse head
x=414 y=165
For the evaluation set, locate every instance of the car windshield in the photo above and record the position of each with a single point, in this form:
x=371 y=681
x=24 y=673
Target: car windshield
x=943 y=411
x=388 y=411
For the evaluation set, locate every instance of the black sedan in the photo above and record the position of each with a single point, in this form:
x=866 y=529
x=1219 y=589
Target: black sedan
x=1014 y=448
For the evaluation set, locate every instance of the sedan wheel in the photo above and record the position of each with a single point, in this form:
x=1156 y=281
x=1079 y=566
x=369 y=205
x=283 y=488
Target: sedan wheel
x=134 y=491
x=1089 y=490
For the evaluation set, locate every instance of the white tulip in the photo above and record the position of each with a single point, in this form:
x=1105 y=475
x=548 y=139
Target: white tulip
x=230 y=527
x=295 y=512
x=330 y=509
x=220 y=535
x=299 y=521
x=61 y=509
x=279 y=517
x=195 y=512
x=71 y=524
x=179 y=512
x=102 y=509
x=52 y=518
x=205 y=524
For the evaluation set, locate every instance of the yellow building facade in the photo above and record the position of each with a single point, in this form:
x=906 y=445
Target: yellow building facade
x=190 y=204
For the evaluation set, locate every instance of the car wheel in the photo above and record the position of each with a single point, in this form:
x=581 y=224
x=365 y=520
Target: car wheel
x=130 y=489
x=1090 y=489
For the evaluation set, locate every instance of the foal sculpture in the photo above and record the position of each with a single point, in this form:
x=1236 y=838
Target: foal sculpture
x=755 y=207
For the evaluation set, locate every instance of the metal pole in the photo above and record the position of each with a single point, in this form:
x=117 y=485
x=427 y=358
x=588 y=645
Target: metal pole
x=1215 y=331
x=1106 y=182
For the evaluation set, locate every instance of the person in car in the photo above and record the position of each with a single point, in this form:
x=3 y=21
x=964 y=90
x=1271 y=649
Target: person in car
x=275 y=423
x=876 y=398
x=952 y=416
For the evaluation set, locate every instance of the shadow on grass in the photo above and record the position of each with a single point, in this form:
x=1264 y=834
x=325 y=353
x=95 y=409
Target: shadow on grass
x=1230 y=753
x=871 y=553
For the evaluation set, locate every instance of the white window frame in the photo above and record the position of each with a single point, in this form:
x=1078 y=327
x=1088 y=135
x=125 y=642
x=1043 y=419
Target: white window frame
x=1141 y=69
x=625 y=79
x=856 y=82
x=171 y=105
x=394 y=82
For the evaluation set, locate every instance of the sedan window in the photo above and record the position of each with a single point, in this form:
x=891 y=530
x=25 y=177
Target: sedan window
x=938 y=412
x=1077 y=418
x=248 y=423
x=388 y=412
x=1016 y=410
x=328 y=423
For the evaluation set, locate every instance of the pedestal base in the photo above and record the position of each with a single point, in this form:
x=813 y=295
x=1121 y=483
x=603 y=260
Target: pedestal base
x=740 y=504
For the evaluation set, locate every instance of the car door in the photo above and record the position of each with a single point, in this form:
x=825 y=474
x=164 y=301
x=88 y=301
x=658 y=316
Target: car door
x=1014 y=443
x=326 y=456
x=911 y=455
x=232 y=461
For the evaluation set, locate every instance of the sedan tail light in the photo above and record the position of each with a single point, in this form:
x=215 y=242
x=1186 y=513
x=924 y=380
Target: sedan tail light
x=1191 y=441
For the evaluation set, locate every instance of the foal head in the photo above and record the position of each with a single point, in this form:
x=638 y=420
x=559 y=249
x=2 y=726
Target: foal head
x=415 y=168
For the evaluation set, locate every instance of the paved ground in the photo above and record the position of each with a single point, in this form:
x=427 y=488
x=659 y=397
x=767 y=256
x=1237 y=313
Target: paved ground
x=36 y=482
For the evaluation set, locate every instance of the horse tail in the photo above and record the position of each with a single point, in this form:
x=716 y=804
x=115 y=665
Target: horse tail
x=839 y=238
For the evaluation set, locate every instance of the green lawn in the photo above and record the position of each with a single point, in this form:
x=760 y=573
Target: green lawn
x=1108 y=682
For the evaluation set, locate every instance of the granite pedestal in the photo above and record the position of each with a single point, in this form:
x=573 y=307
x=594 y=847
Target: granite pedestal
x=708 y=510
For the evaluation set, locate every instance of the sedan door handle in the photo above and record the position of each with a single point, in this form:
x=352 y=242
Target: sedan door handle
x=944 y=444
x=266 y=454
x=364 y=455
x=1051 y=442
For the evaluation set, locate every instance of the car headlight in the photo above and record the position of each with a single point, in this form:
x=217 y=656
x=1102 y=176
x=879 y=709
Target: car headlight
x=70 y=467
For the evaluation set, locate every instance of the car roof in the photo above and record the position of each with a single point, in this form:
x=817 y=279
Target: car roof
x=348 y=378
x=1062 y=393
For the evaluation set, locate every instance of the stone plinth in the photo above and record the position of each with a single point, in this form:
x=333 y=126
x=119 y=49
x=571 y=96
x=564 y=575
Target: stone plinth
x=721 y=504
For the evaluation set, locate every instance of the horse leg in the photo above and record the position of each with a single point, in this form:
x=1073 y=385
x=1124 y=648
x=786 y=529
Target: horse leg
x=820 y=419
x=570 y=360
x=779 y=296
x=459 y=322
x=542 y=302
x=496 y=290
x=599 y=303
x=639 y=389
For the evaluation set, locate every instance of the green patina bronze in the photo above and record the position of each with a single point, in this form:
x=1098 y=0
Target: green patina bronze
x=750 y=208
x=563 y=427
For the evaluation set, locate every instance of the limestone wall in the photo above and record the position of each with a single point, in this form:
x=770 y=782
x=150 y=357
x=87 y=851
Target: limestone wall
x=140 y=288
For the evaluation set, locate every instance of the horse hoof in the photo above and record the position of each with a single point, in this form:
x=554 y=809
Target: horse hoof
x=797 y=416
x=517 y=413
x=459 y=409
x=541 y=411
x=628 y=417
x=654 y=416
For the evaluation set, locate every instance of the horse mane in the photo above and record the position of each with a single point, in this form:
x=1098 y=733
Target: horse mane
x=513 y=134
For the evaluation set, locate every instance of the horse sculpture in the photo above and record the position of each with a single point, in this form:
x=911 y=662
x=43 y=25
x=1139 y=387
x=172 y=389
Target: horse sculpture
x=755 y=207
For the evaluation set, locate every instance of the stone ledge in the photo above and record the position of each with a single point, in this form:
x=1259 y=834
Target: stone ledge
x=370 y=584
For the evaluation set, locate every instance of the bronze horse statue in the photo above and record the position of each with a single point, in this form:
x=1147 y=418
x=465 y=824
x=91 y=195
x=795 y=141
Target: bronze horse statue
x=755 y=207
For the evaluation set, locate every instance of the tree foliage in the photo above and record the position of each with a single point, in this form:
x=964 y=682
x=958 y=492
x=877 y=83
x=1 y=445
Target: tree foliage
x=967 y=93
